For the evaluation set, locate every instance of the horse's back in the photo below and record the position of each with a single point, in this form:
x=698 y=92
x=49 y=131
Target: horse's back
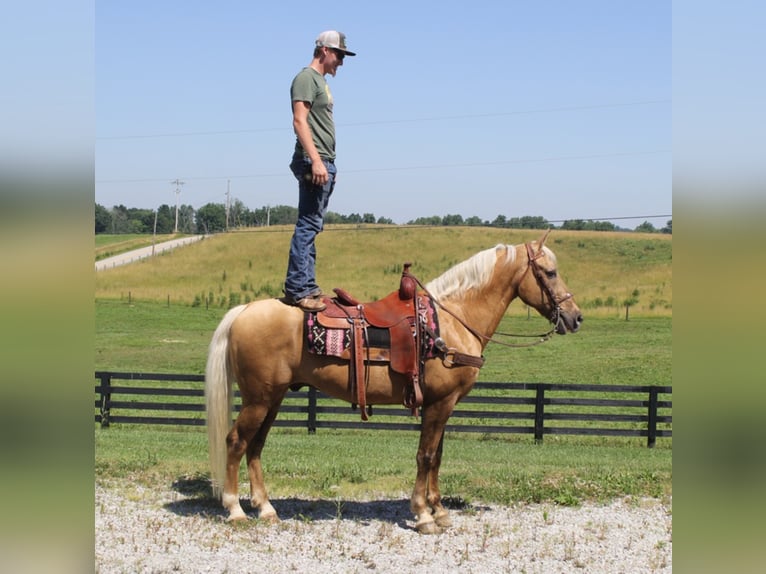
x=267 y=338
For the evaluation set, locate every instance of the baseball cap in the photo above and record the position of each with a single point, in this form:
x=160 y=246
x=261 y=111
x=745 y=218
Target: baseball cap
x=335 y=40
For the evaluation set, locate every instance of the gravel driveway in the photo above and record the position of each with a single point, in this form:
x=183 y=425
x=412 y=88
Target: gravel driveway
x=141 y=531
x=145 y=252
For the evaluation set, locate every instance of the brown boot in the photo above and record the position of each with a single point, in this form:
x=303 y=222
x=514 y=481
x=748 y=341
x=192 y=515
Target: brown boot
x=310 y=304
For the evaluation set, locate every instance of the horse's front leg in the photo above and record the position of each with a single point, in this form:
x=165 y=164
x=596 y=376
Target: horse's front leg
x=430 y=515
x=440 y=514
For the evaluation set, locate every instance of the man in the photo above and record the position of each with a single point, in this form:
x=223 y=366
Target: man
x=313 y=164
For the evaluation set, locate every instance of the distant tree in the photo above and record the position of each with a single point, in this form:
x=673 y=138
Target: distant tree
x=283 y=215
x=120 y=220
x=142 y=220
x=500 y=221
x=385 y=221
x=211 y=218
x=331 y=217
x=103 y=219
x=166 y=219
x=590 y=225
x=630 y=301
x=668 y=229
x=603 y=226
x=474 y=221
x=277 y=215
x=452 y=220
x=187 y=219
x=433 y=220
x=368 y=218
x=646 y=227
x=528 y=222
x=262 y=216
x=237 y=214
x=573 y=224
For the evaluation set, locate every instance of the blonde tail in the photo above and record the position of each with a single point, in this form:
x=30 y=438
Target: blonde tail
x=218 y=399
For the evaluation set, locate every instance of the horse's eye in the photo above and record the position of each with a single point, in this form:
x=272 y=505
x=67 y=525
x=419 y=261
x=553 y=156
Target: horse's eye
x=551 y=274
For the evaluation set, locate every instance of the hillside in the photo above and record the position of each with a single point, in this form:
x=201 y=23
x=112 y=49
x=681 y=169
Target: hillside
x=602 y=269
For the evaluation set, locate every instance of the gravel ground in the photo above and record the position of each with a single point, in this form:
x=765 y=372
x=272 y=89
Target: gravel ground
x=141 y=531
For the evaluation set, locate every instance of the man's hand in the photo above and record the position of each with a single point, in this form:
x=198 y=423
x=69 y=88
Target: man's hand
x=319 y=175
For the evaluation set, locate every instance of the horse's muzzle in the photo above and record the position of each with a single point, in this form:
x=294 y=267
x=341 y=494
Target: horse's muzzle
x=568 y=323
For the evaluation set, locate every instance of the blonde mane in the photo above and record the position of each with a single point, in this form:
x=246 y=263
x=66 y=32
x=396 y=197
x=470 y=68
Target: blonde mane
x=471 y=273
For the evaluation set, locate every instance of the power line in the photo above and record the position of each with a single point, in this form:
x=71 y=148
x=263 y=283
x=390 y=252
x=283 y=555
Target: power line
x=413 y=167
x=390 y=122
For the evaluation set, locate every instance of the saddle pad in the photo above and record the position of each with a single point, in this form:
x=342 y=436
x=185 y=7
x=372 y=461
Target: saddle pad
x=321 y=340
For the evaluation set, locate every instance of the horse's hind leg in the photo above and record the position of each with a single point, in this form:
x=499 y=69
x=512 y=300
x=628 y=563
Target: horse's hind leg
x=241 y=434
x=258 y=496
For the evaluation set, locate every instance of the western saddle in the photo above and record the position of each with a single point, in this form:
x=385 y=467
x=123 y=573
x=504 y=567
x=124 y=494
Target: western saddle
x=398 y=314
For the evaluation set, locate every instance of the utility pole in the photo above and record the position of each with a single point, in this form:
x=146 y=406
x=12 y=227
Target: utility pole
x=154 y=233
x=228 y=184
x=178 y=183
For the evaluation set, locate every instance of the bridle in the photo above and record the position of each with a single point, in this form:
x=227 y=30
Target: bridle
x=545 y=287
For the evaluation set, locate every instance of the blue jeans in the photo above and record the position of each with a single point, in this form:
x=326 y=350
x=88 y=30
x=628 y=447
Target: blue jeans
x=312 y=205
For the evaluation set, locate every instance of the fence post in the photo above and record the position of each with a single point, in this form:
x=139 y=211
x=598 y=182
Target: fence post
x=312 y=419
x=652 y=430
x=539 y=412
x=106 y=398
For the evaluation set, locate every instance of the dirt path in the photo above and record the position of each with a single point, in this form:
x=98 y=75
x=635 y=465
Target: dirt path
x=144 y=252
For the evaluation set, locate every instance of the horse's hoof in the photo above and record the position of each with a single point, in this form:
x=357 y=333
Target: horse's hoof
x=443 y=520
x=269 y=519
x=237 y=518
x=429 y=527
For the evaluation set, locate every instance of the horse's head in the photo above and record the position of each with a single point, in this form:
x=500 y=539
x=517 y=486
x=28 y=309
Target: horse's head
x=543 y=288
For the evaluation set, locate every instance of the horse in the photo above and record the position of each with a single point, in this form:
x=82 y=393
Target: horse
x=261 y=345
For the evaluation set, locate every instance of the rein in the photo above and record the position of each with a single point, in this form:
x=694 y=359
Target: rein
x=541 y=281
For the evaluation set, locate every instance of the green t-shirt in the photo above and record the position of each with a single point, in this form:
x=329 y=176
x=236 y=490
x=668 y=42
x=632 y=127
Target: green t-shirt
x=310 y=86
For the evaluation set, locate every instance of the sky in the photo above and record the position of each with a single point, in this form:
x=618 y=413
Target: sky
x=556 y=109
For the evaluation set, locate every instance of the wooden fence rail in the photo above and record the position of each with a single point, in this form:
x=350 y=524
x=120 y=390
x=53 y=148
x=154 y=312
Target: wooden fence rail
x=528 y=408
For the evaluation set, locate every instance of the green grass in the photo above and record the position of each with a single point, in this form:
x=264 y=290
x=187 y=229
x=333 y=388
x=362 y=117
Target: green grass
x=601 y=269
x=368 y=464
x=152 y=337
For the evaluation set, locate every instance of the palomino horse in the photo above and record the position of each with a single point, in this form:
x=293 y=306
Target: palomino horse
x=261 y=346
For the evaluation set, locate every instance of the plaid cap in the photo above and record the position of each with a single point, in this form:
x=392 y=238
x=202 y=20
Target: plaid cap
x=335 y=40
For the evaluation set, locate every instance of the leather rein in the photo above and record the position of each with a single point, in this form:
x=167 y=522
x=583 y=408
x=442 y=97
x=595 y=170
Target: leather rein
x=542 y=281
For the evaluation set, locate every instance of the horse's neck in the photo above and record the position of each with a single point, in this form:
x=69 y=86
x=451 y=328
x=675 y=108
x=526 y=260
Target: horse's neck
x=484 y=307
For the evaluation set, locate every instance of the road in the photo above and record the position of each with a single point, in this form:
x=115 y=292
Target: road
x=144 y=252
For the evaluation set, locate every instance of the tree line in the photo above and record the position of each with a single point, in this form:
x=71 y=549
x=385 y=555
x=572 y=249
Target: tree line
x=217 y=217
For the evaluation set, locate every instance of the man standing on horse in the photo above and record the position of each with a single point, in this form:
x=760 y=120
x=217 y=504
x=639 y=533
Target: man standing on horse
x=313 y=165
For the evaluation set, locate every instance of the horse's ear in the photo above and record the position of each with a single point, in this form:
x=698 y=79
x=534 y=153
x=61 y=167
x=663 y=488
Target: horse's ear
x=541 y=242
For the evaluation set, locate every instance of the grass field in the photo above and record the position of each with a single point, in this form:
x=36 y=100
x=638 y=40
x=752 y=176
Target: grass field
x=602 y=269
x=355 y=465
x=162 y=329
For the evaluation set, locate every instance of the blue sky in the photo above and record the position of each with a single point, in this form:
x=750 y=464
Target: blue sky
x=558 y=109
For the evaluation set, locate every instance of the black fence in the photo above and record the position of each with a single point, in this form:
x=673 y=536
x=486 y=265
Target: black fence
x=536 y=409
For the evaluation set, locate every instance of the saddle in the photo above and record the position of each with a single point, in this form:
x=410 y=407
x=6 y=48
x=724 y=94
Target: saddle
x=396 y=315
